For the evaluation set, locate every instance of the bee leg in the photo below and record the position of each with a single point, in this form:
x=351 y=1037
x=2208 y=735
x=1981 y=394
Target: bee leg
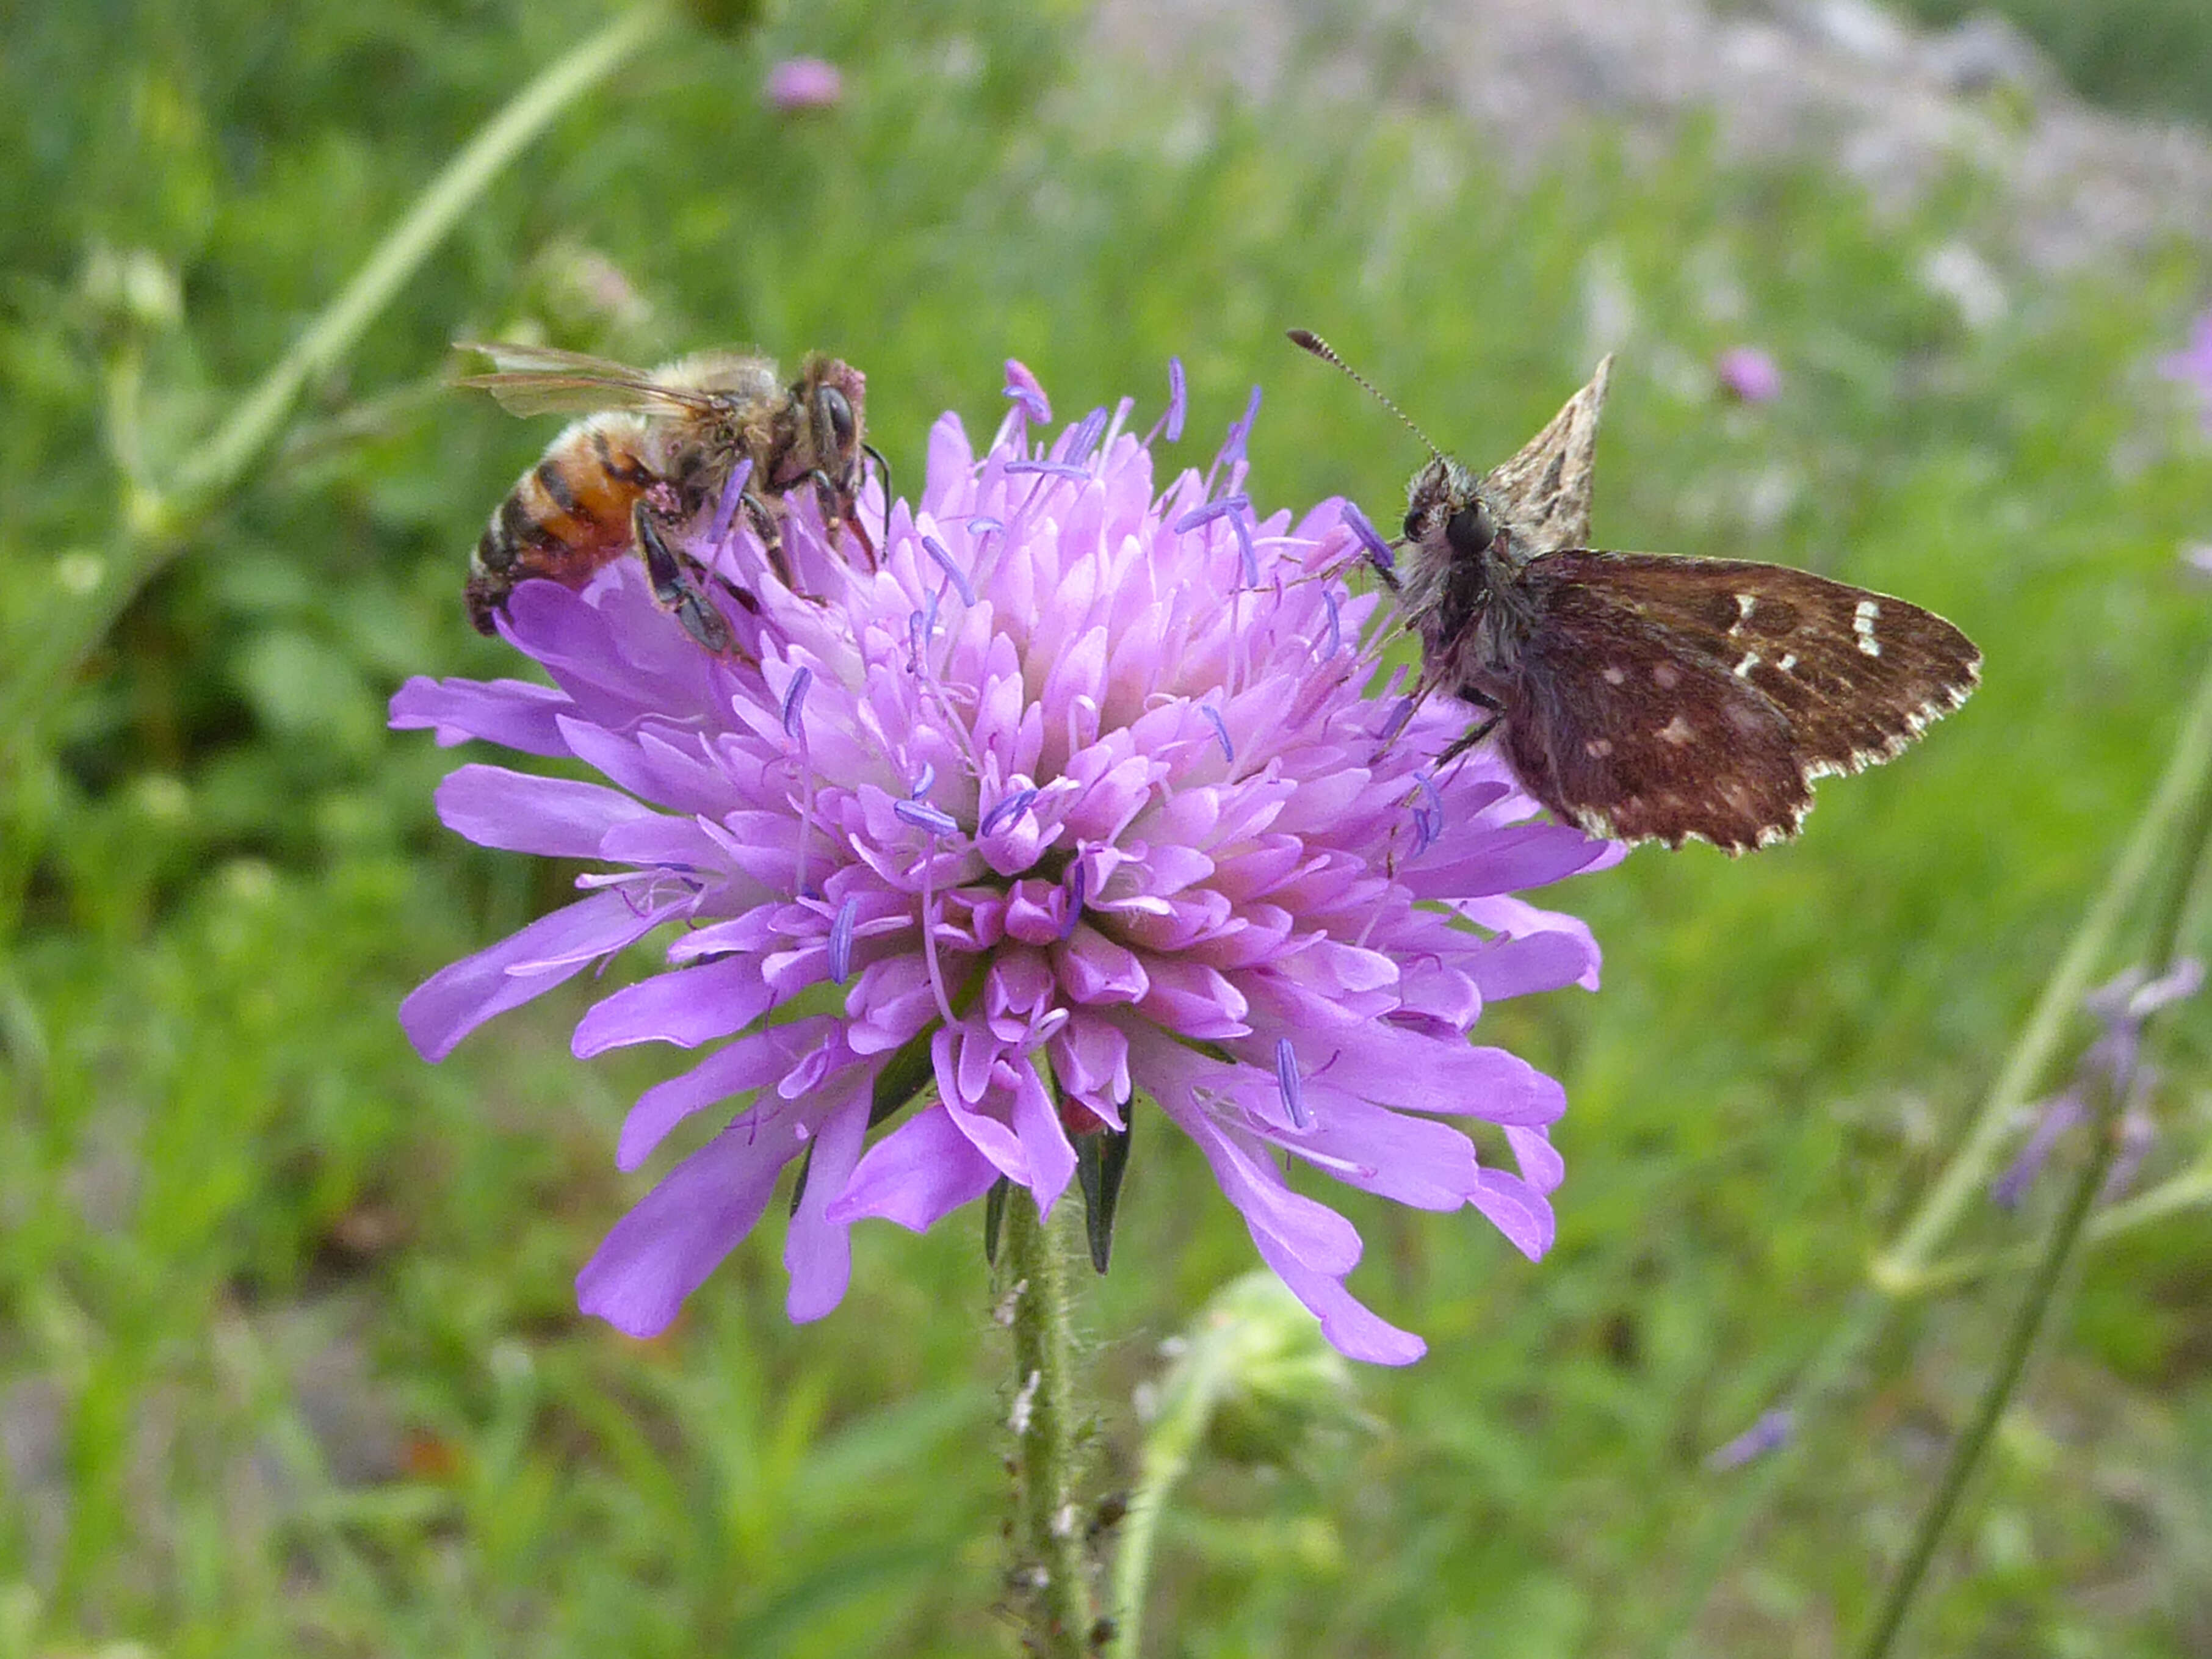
x=674 y=588
x=883 y=466
x=825 y=497
x=1494 y=716
x=763 y=521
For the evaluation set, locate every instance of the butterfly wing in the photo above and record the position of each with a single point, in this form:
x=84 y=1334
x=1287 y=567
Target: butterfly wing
x=541 y=380
x=1545 y=490
x=1664 y=698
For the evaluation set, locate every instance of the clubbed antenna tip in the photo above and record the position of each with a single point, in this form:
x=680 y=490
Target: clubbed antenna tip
x=1306 y=340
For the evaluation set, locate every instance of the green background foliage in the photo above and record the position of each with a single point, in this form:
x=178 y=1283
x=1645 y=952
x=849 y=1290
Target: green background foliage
x=290 y=1361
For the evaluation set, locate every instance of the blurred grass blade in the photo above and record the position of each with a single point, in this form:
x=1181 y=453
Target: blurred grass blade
x=2188 y=771
x=218 y=465
x=2025 y=1067
x=154 y=521
x=2047 y=1288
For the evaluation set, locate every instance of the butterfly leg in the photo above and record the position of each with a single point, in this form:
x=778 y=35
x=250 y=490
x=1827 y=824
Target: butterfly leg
x=673 y=587
x=1494 y=716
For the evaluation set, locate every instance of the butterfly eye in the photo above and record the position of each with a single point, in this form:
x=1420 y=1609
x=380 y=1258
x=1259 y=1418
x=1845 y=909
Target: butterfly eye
x=1471 y=530
x=1413 y=524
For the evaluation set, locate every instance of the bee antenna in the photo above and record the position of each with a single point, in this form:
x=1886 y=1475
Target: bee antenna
x=1306 y=340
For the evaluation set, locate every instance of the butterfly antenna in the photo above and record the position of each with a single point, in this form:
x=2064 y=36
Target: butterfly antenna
x=1306 y=340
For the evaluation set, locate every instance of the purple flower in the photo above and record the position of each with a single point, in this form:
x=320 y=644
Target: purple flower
x=2193 y=366
x=798 y=83
x=1748 y=374
x=1771 y=1431
x=1057 y=806
x=2113 y=1062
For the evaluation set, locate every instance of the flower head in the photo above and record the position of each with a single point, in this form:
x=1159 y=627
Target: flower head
x=1073 y=806
x=797 y=83
x=1748 y=374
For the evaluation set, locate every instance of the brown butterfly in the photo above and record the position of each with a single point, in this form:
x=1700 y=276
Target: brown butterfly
x=1645 y=697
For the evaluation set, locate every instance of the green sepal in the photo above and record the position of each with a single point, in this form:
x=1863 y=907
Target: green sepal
x=1101 y=1158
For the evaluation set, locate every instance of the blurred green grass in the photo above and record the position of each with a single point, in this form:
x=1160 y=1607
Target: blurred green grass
x=289 y=1358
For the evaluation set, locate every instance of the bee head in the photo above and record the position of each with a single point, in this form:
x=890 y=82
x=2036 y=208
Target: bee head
x=833 y=395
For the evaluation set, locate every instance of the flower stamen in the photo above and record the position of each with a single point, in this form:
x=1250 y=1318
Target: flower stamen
x=1288 y=1083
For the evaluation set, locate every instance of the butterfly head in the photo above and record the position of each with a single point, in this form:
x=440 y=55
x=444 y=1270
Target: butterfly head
x=1446 y=514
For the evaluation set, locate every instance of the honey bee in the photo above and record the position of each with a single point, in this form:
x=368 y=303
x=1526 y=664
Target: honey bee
x=652 y=449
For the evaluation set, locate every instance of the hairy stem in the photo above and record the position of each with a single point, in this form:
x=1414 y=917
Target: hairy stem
x=1050 y=1530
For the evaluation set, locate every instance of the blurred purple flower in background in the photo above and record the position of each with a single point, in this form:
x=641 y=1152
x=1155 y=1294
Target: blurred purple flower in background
x=1769 y=1433
x=1748 y=374
x=798 y=83
x=1076 y=800
x=2113 y=1062
x=2193 y=366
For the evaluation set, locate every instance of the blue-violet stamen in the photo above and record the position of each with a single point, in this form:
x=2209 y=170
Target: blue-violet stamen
x=923 y=816
x=936 y=550
x=794 y=701
x=1287 y=1080
x=840 y=940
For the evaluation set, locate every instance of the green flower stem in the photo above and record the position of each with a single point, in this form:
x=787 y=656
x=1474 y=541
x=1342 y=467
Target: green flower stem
x=1204 y=1374
x=1971 y=1167
x=1050 y=1532
x=1899 y=1271
x=2189 y=1190
x=2170 y=906
x=157 y=519
x=2019 y=1341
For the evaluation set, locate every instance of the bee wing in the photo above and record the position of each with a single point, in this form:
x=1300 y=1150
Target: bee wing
x=543 y=380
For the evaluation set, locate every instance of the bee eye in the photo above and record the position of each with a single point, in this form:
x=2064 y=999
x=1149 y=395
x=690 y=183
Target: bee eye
x=837 y=412
x=1471 y=529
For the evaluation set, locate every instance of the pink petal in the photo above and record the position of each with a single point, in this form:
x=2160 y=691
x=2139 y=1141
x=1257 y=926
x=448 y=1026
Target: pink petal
x=817 y=1251
x=685 y=1006
x=751 y=1062
x=514 y=714
x=678 y=1233
x=553 y=817
x=922 y=1170
x=456 y=999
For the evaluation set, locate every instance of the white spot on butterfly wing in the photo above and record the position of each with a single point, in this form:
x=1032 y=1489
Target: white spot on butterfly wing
x=1677 y=731
x=1615 y=677
x=1598 y=748
x=1745 y=604
x=1666 y=676
x=1862 y=621
x=1751 y=660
